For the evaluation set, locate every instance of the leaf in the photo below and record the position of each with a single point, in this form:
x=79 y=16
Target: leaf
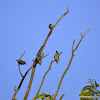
x=85 y=94
x=43 y=97
x=39 y=96
x=90 y=90
x=93 y=86
x=53 y=95
x=97 y=92
x=43 y=94
x=89 y=81
x=86 y=88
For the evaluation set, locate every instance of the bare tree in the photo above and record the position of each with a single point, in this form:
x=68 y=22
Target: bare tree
x=38 y=60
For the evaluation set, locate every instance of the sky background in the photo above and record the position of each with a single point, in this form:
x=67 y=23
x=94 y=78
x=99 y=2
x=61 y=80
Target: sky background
x=24 y=27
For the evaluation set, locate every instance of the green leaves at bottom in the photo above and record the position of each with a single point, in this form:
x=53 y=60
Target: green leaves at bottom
x=44 y=96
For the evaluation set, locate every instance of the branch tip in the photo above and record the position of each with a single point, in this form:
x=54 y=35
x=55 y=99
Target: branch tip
x=44 y=77
x=15 y=88
x=22 y=55
x=45 y=55
x=68 y=64
x=62 y=96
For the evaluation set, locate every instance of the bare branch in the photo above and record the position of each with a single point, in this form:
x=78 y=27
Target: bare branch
x=73 y=47
x=31 y=79
x=81 y=40
x=20 y=70
x=44 y=77
x=42 y=47
x=40 y=51
x=60 y=53
x=22 y=55
x=61 y=17
x=63 y=77
x=62 y=96
x=68 y=64
x=45 y=56
x=35 y=62
x=21 y=82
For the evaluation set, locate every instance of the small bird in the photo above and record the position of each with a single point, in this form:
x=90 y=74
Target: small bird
x=56 y=57
x=40 y=59
x=21 y=62
x=50 y=26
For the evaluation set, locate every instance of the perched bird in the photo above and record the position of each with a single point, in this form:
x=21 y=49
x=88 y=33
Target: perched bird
x=21 y=62
x=40 y=59
x=56 y=57
x=50 y=26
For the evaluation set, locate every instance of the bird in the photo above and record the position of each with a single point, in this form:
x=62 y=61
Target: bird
x=40 y=59
x=50 y=26
x=21 y=62
x=56 y=57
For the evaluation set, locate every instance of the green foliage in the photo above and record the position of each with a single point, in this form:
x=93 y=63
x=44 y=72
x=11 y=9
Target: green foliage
x=44 y=96
x=90 y=90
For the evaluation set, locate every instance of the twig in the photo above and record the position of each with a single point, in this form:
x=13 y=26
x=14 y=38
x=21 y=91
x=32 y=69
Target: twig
x=42 y=57
x=63 y=77
x=60 y=53
x=22 y=55
x=62 y=96
x=34 y=64
x=61 y=17
x=80 y=40
x=39 y=53
x=42 y=47
x=21 y=82
x=44 y=77
x=73 y=50
x=20 y=70
x=45 y=55
x=31 y=79
x=15 y=88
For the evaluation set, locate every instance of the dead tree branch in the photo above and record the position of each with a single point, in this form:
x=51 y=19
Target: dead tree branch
x=73 y=50
x=39 y=53
x=44 y=77
x=62 y=96
x=35 y=62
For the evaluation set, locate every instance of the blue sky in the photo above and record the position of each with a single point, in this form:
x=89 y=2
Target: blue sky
x=24 y=27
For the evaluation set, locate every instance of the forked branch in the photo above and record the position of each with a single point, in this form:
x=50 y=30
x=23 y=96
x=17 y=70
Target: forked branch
x=73 y=50
x=39 y=53
x=35 y=62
